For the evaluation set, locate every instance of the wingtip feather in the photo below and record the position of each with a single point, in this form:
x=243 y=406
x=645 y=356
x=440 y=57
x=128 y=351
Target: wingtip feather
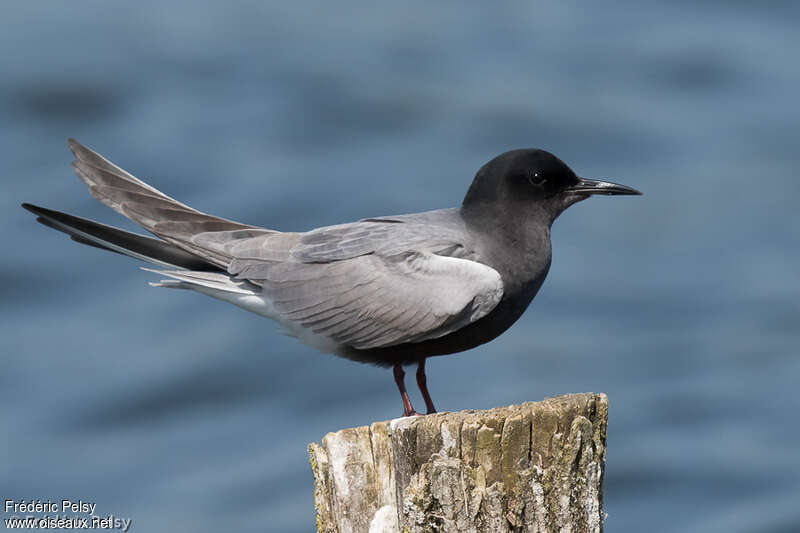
x=74 y=146
x=40 y=212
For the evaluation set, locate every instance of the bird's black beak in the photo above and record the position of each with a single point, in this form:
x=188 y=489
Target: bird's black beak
x=586 y=186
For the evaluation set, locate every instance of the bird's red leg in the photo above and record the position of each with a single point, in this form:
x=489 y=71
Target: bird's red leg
x=422 y=383
x=399 y=378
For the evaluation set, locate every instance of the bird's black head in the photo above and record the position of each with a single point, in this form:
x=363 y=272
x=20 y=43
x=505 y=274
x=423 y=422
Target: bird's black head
x=531 y=182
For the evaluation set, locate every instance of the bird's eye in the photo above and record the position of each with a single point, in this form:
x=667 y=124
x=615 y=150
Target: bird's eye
x=536 y=178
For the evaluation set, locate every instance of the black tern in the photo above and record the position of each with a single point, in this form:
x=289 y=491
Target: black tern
x=389 y=290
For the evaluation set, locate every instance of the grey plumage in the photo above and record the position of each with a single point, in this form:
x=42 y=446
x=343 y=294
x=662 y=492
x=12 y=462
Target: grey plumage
x=156 y=212
x=373 y=283
x=386 y=290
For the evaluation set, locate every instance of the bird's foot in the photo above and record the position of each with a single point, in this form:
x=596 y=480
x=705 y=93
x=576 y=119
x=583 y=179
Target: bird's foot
x=411 y=413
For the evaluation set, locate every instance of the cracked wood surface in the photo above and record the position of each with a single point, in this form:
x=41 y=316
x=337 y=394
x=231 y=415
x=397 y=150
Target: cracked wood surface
x=533 y=467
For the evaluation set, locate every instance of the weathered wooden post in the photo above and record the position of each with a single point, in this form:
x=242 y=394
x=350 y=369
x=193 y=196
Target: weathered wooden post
x=534 y=467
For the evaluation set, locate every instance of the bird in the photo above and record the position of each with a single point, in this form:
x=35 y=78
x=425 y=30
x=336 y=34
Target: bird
x=386 y=290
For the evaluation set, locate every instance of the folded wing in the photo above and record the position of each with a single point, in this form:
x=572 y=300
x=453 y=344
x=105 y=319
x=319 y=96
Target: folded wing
x=370 y=284
x=163 y=216
x=374 y=301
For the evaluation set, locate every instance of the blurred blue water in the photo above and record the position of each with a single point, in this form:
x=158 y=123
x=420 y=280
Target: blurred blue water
x=189 y=415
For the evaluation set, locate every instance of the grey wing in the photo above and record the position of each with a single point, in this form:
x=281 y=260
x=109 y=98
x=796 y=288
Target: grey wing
x=373 y=301
x=372 y=283
x=377 y=282
x=440 y=232
x=163 y=216
x=369 y=284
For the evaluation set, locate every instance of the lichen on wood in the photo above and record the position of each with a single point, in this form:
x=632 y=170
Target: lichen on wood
x=533 y=467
